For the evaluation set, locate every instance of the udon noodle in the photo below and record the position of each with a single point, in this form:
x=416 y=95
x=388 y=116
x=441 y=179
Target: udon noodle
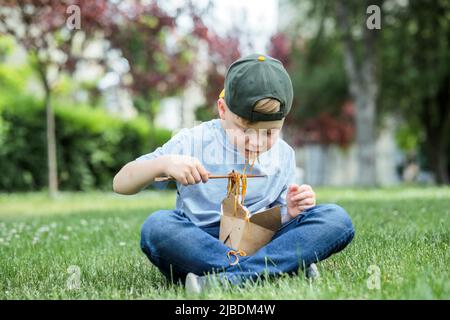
x=237 y=184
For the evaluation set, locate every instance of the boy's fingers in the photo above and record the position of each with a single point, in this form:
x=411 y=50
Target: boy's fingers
x=305 y=187
x=203 y=173
x=306 y=202
x=293 y=188
x=190 y=178
x=196 y=175
x=302 y=195
x=184 y=181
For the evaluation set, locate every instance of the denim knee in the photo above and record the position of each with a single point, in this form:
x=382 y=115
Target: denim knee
x=153 y=229
x=337 y=216
x=340 y=218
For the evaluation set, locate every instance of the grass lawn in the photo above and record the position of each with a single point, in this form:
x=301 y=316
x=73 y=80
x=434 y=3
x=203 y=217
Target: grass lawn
x=403 y=232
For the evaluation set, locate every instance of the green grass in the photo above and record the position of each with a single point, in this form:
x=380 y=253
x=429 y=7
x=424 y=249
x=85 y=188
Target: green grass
x=403 y=232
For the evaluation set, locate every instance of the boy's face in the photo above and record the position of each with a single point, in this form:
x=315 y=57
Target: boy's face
x=251 y=139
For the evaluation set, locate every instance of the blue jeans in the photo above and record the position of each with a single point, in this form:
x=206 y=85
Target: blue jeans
x=177 y=246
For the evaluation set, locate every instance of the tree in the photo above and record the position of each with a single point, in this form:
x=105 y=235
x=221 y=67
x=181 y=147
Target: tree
x=335 y=60
x=416 y=76
x=40 y=27
x=160 y=57
x=323 y=113
x=407 y=61
x=222 y=52
x=361 y=63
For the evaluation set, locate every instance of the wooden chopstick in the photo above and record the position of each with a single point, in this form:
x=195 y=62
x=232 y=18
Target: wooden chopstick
x=159 y=179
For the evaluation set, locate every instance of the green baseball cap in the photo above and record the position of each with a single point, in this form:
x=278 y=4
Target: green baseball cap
x=253 y=78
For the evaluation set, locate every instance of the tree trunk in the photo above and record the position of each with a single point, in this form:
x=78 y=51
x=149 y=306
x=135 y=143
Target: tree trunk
x=440 y=160
x=365 y=138
x=436 y=154
x=51 y=147
x=51 y=136
x=363 y=87
x=442 y=142
x=148 y=99
x=436 y=119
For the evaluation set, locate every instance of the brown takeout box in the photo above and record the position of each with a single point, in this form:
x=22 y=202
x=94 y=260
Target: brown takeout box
x=248 y=235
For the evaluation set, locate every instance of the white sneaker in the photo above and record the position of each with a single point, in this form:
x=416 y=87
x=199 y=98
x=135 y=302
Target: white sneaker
x=312 y=272
x=194 y=284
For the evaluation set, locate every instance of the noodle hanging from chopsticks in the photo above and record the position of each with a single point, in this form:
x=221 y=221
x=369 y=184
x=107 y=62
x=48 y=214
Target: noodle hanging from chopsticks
x=237 y=184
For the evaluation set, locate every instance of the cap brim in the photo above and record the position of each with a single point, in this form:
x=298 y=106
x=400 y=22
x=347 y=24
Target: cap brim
x=276 y=124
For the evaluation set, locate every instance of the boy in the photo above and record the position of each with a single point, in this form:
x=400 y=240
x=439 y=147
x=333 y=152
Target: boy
x=183 y=243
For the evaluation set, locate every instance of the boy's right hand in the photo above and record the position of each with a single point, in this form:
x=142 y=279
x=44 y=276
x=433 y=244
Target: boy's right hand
x=186 y=170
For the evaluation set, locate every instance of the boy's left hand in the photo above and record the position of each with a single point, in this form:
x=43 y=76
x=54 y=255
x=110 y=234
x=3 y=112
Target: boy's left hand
x=299 y=198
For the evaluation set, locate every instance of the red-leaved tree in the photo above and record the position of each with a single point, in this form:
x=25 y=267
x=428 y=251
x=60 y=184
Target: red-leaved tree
x=41 y=27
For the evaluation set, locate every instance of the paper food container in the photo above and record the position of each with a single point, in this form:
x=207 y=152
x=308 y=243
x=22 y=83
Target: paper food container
x=248 y=235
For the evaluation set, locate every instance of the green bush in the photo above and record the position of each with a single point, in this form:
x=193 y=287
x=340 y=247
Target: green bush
x=91 y=145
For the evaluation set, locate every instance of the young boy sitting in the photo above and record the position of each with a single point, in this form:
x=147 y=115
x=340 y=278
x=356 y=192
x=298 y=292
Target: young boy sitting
x=184 y=243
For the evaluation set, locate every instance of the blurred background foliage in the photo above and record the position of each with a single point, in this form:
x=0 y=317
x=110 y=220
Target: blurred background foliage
x=164 y=49
x=92 y=145
x=411 y=72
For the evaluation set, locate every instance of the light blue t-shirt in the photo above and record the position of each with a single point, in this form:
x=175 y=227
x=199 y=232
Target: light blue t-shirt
x=210 y=144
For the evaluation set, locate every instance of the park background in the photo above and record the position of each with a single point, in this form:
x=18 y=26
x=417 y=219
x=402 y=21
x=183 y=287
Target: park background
x=86 y=86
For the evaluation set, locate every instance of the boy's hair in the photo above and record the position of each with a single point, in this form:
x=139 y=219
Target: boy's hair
x=266 y=105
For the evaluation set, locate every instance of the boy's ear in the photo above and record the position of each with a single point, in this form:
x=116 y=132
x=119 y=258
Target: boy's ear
x=222 y=108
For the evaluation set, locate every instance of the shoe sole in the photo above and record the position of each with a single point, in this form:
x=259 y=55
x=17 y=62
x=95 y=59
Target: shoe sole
x=312 y=272
x=192 y=286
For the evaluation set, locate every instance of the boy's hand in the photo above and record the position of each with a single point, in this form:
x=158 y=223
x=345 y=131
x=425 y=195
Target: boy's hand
x=299 y=198
x=186 y=170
